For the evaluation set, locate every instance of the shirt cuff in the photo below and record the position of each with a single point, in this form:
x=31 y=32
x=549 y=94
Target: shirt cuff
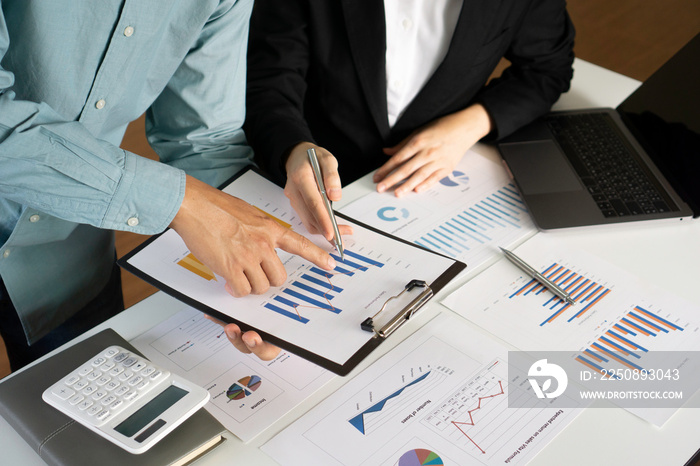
x=148 y=197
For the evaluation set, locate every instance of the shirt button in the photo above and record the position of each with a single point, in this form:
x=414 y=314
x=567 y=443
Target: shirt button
x=6 y=253
x=406 y=24
x=397 y=84
x=128 y=31
x=100 y=104
x=34 y=218
x=132 y=222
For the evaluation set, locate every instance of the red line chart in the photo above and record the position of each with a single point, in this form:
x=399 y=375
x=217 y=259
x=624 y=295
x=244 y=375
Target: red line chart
x=471 y=418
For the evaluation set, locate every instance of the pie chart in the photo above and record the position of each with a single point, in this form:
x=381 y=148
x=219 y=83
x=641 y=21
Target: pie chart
x=243 y=387
x=457 y=178
x=420 y=457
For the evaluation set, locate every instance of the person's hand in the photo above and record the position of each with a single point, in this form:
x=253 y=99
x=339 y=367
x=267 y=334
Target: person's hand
x=248 y=342
x=431 y=152
x=237 y=241
x=302 y=189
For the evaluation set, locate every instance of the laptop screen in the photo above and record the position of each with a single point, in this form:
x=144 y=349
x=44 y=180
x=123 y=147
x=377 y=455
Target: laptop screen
x=664 y=115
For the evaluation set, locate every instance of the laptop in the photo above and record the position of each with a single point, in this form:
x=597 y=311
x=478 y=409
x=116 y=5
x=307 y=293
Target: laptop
x=640 y=161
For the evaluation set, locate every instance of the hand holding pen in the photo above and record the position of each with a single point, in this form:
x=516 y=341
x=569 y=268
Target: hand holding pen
x=303 y=191
x=337 y=239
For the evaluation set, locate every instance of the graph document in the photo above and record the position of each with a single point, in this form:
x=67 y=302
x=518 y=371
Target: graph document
x=477 y=205
x=439 y=398
x=247 y=394
x=617 y=321
x=315 y=310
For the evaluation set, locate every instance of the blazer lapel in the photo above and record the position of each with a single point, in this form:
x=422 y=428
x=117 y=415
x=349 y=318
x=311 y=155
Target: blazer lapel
x=365 y=23
x=474 y=20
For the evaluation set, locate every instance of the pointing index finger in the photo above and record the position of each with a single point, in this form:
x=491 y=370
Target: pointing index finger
x=294 y=243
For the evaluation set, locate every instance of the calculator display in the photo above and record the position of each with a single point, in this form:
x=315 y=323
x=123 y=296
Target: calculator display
x=150 y=411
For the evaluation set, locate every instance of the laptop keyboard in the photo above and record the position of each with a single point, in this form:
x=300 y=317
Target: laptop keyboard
x=605 y=163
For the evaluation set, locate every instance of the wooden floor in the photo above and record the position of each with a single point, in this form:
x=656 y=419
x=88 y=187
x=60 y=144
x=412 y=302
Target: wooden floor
x=631 y=37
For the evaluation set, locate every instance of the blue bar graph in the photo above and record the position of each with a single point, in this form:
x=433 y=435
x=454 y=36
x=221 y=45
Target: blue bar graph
x=316 y=289
x=479 y=224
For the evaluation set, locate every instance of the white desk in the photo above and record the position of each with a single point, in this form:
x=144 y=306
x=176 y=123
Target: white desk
x=667 y=254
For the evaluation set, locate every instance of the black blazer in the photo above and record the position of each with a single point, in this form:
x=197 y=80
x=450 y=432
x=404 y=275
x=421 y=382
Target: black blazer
x=316 y=72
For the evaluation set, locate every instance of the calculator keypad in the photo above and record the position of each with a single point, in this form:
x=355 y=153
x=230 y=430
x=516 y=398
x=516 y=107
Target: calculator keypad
x=106 y=385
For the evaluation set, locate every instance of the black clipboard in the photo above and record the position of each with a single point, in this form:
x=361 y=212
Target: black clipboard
x=415 y=294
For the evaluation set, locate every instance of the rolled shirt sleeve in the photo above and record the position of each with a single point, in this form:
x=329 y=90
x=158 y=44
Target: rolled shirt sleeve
x=59 y=168
x=62 y=167
x=73 y=75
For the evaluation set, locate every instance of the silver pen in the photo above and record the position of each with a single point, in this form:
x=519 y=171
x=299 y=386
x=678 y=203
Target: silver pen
x=322 y=188
x=551 y=286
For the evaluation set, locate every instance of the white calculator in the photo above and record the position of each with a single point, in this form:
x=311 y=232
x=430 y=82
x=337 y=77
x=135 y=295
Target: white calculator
x=126 y=398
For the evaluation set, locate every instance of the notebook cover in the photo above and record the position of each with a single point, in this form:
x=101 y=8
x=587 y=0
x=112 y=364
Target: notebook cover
x=61 y=441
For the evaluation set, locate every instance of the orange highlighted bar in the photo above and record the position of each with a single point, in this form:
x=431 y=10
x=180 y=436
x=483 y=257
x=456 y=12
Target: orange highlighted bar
x=644 y=331
x=592 y=367
x=621 y=361
x=578 y=279
x=281 y=222
x=621 y=340
x=651 y=316
x=613 y=347
x=594 y=356
x=193 y=264
x=641 y=322
x=588 y=308
x=558 y=313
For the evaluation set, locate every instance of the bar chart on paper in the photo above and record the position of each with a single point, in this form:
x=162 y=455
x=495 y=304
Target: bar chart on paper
x=314 y=289
x=315 y=312
x=633 y=335
x=532 y=304
x=613 y=310
x=586 y=292
x=464 y=216
x=490 y=220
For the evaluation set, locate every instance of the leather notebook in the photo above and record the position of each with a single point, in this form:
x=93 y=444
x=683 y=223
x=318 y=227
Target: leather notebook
x=59 y=440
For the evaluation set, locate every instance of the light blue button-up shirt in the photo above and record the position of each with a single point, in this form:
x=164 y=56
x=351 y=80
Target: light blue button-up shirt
x=73 y=74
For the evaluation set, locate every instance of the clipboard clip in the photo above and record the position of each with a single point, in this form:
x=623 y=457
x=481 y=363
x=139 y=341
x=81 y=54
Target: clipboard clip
x=403 y=315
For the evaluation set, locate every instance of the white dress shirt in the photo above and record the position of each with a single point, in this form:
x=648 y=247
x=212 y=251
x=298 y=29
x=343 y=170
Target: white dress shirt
x=418 y=35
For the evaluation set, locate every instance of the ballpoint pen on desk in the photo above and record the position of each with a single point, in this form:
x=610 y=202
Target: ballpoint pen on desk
x=522 y=265
x=322 y=188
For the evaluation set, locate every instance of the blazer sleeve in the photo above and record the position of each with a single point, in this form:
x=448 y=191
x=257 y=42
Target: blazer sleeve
x=541 y=56
x=278 y=60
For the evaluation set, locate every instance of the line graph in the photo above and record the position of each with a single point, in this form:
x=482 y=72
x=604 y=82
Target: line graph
x=376 y=414
x=458 y=424
x=476 y=415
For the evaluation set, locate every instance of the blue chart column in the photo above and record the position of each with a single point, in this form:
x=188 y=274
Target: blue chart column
x=315 y=288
